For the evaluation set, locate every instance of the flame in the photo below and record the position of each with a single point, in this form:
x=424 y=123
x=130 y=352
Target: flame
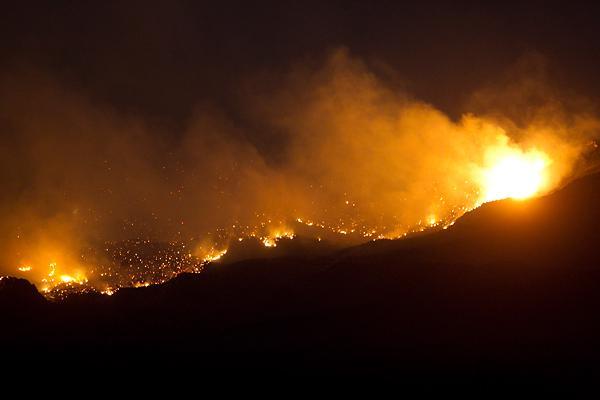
x=514 y=174
x=209 y=251
x=432 y=220
x=53 y=279
x=275 y=234
x=67 y=279
x=214 y=255
x=50 y=262
x=269 y=242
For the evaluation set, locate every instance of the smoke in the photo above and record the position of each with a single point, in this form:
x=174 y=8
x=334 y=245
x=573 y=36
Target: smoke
x=335 y=147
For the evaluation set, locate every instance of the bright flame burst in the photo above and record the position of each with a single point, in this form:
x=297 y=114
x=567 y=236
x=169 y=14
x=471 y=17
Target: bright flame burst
x=53 y=279
x=514 y=174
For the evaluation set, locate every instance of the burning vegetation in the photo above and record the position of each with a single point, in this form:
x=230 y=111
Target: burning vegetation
x=99 y=201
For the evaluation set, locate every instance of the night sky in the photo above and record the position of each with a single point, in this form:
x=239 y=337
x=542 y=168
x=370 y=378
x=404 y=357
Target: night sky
x=160 y=59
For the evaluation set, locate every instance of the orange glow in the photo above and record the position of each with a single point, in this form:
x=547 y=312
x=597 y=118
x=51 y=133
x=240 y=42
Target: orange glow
x=72 y=279
x=208 y=251
x=275 y=234
x=55 y=278
x=514 y=174
x=214 y=255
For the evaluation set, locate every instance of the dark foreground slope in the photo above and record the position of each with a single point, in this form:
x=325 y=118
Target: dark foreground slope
x=511 y=287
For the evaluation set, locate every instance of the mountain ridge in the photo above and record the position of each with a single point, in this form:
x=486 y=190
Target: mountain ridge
x=513 y=283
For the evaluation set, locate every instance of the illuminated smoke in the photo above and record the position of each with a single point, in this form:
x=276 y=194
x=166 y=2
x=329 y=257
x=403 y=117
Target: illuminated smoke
x=348 y=158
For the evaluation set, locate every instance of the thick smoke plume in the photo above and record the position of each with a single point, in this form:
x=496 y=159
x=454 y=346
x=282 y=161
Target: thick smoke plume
x=333 y=148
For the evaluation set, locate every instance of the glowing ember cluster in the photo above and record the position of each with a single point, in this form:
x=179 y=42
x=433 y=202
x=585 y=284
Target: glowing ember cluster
x=133 y=263
x=139 y=263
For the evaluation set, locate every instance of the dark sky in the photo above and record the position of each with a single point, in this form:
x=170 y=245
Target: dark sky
x=159 y=59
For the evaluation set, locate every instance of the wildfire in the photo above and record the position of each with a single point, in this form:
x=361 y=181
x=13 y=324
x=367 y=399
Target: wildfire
x=71 y=279
x=515 y=174
x=214 y=255
x=432 y=220
x=269 y=242
x=271 y=239
x=53 y=279
x=504 y=170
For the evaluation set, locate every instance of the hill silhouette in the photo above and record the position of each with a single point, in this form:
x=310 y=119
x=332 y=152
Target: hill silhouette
x=513 y=286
